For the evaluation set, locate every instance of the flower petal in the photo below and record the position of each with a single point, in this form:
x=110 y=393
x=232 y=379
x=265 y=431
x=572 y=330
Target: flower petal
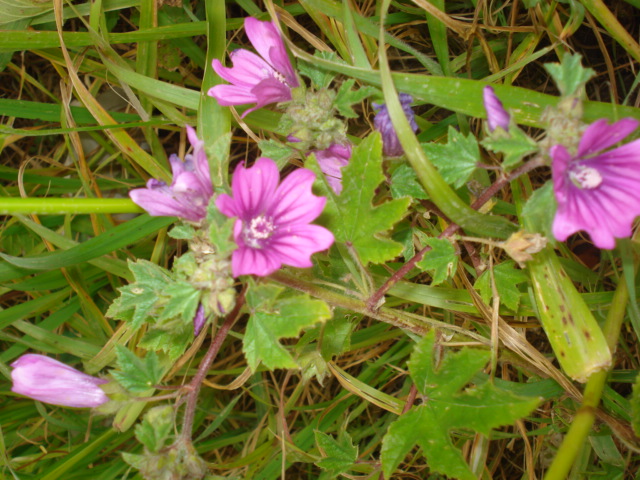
x=266 y=39
x=228 y=95
x=294 y=202
x=296 y=245
x=251 y=261
x=253 y=187
x=600 y=135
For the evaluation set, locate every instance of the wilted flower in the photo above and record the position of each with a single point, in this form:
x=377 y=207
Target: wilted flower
x=521 y=245
x=273 y=220
x=331 y=160
x=597 y=191
x=254 y=79
x=382 y=122
x=190 y=191
x=497 y=116
x=50 y=381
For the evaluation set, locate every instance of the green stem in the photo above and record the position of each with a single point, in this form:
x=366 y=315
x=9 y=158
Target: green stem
x=61 y=206
x=584 y=418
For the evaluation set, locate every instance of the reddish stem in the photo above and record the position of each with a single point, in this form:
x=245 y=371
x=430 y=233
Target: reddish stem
x=193 y=388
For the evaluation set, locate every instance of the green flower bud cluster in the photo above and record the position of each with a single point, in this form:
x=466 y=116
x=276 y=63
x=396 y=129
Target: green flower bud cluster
x=180 y=461
x=207 y=271
x=565 y=126
x=311 y=119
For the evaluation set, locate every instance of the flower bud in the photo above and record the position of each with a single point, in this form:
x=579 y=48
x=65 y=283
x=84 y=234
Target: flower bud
x=382 y=122
x=50 y=381
x=497 y=116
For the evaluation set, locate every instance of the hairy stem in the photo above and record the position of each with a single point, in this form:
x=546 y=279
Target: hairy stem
x=196 y=382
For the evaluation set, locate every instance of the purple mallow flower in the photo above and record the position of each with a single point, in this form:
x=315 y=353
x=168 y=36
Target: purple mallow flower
x=260 y=79
x=50 y=381
x=497 y=116
x=331 y=160
x=273 y=220
x=382 y=122
x=190 y=191
x=597 y=191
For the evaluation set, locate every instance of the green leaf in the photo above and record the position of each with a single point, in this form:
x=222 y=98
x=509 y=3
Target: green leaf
x=278 y=152
x=182 y=232
x=183 y=302
x=514 y=146
x=221 y=231
x=353 y=218
x=156 y=426
x=172 y=342
x=540 y=209
x=506 y=278
x=441 y=260
x=336 y=336
x=448 y=406
x=339 y=455
x=347 y=97
x=320 y=78
x=570 y=76
x=404 y=183
x=457 y=159
x=137 y=301
x=113 y=239
x=635 y=407
x=135 y=374
x=274 y=316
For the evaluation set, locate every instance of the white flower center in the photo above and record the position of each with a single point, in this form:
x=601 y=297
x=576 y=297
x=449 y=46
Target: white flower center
x=585 y=177
x=257 y=230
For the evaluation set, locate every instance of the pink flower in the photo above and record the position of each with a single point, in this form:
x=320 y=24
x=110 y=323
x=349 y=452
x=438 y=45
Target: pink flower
x=264 y=79
x=50 y=381
x=273 y=220
x=190 y=191
x=597 y=191
x=497 y=116
x=382 y=122
x=331 y=160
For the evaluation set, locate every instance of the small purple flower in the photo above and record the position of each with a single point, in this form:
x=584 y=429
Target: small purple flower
x=382 y=122
x=199 y=320
x=260 y=79
x=497 y=116
x=50 y=381
x=190 y=191
x=331 y=160
x=597 y=191
x=273 y=220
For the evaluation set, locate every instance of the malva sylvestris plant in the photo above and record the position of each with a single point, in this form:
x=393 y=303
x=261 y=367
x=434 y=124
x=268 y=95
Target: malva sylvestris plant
x=369 y=254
